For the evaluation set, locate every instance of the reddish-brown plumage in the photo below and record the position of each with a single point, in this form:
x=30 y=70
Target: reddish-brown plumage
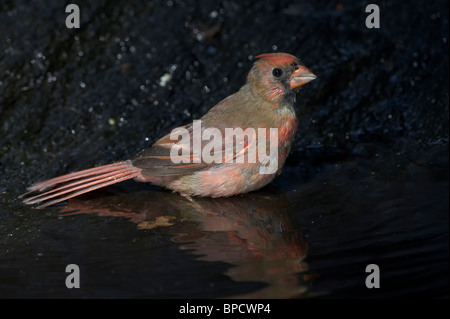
x=265 y=102
x=278 y=58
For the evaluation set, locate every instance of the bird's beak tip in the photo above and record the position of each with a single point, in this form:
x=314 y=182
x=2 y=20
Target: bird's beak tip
x=301 y=76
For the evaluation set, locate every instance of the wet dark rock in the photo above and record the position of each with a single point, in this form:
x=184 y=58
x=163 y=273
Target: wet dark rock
x=60 y=87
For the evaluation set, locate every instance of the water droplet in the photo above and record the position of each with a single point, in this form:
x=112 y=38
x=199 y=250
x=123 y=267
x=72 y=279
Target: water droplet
x=165 y=79
x=172 y=68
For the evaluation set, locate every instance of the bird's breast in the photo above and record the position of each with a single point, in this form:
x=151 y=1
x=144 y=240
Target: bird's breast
x=287 y=130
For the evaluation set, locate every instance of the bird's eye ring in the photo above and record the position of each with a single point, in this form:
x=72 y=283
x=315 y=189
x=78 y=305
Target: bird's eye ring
x=277 y=72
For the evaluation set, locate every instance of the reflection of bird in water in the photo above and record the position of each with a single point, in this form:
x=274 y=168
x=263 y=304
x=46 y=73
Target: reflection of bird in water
x=254 y=232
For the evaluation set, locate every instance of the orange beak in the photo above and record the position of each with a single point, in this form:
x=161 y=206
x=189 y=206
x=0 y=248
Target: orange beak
x=301 y=75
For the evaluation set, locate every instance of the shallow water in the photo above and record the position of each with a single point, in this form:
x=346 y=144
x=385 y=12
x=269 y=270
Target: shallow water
x=302 y=237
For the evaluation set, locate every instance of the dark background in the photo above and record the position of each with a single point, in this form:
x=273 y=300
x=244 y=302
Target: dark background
x=373 y=126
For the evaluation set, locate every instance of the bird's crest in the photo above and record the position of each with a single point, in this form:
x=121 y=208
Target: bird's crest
x=278 y=58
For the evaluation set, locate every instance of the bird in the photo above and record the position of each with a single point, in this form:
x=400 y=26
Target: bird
x=264 y=104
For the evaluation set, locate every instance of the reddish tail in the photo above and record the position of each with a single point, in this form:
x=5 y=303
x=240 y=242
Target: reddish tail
x=61 y=188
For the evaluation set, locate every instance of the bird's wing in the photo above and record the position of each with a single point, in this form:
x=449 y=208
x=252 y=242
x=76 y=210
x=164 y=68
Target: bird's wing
x=189 y=148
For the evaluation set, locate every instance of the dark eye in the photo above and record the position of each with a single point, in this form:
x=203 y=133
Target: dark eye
x=277 y=72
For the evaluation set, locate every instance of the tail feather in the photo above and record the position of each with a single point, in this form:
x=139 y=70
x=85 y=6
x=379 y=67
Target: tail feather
x=44 y=185
x=61 y=188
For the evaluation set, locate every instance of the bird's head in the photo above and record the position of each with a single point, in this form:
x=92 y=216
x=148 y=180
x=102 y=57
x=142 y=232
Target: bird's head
x=276 y=76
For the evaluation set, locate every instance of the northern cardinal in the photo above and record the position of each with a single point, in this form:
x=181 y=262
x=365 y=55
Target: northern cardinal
x=265 y=102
